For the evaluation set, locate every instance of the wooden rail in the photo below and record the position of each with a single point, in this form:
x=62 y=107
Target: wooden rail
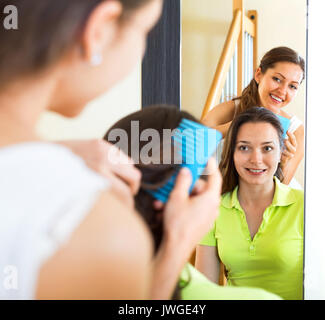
x=224 y=63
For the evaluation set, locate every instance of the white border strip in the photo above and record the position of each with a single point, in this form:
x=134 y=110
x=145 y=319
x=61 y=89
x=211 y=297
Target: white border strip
x=315 y=155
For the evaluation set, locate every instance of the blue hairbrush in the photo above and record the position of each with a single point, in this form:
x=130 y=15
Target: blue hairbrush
x=285 y=123
x=194 y=145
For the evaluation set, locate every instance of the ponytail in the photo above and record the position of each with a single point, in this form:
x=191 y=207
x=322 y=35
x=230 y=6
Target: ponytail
x=249 y=97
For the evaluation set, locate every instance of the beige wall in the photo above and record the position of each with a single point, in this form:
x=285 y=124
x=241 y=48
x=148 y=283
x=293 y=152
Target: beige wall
x=98 y=116
x=204 y=28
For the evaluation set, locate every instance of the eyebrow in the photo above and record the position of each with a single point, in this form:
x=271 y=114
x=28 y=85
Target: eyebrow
x=285 y=77
x=247 y=142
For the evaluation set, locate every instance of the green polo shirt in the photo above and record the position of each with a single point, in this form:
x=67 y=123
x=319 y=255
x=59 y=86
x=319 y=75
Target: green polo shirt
x=195 y=286
x=273 y=260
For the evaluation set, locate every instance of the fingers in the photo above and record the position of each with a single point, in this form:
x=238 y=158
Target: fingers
x=158 y=205
x=115 y=155
x=292 y=139
x=199 y=186
x=107 y=160
x=129 y=174
x=214 y=178
x=182 y=185
x=290 y=146
x=287 y=154
x=291 y=143
x=122 y=166
x=212 y=185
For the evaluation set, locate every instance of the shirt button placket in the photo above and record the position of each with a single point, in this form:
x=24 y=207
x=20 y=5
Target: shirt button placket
x=252 y=249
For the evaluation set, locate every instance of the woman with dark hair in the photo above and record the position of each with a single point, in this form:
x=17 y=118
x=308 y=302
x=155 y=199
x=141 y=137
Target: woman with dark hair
x=60 y=233
x=192 y=284
x=258 y=235
x=275 y=84
x=63 y=226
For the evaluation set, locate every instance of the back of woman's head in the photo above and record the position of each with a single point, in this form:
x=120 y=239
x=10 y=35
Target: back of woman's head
x=159 y=119
x=250 y=95
x=227 y=165
x=46 y=30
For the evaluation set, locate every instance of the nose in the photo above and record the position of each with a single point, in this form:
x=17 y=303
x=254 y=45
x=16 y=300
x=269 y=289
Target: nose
x=282 y=90
x=256 y=156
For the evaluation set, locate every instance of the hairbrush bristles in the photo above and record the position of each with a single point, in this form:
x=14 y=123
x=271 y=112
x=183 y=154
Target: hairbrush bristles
x=285 y=123
x=195 y=144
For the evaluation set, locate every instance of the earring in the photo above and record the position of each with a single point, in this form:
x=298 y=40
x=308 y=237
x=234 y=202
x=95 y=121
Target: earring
x=96 y=59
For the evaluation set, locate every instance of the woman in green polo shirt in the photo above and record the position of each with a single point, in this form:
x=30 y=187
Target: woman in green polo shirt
x=191 y=284
x=258 y=234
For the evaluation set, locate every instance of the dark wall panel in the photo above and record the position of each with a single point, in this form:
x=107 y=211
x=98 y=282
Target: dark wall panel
x=161 y=64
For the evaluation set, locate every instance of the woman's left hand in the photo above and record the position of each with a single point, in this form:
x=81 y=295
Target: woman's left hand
x=289 y=150
x=107 y=160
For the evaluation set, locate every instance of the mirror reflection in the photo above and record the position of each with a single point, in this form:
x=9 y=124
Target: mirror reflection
x=237 y=55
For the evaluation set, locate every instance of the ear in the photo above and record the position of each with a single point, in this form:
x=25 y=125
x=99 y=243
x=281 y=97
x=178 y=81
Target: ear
x=100 y=28
x=258 y=75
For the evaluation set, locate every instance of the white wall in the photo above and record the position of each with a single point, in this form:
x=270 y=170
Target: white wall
x=315 y=174
x=205 y=25
x=99 y=115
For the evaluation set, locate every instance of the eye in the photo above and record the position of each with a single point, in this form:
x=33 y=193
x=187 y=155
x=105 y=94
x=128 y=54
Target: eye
x=243 y=148
x=293 y=87
x=276 y=79
x=268 y=148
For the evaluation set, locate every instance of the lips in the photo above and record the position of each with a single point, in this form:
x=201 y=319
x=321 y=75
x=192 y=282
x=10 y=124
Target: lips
x=276 y=99
x=256 y=172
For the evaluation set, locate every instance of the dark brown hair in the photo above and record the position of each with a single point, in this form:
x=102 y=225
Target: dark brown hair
x=227 y=165
x=46 y=29
x=250 y=96
x=158 y=117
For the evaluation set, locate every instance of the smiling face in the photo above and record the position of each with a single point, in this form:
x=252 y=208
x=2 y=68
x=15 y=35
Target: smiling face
x=257 y=153
x=278 y=85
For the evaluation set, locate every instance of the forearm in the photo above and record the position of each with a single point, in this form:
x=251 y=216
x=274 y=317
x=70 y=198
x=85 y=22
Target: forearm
x=220 y=117
x=168 y=265
x=223 y=128
x=207 y=262
x=290 y=168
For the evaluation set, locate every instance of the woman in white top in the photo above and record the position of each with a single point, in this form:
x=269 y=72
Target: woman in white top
x=64 y=231
x=275 y=84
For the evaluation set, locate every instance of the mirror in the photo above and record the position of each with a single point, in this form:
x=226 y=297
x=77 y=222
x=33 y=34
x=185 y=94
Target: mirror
x=204 y=32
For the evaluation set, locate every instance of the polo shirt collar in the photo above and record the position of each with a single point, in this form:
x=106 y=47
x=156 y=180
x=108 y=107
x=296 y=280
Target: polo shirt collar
x=282 y=196
x=230 y=200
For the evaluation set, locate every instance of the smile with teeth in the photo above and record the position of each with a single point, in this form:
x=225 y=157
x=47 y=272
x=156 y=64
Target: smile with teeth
x=276 y=98
x=256 y=171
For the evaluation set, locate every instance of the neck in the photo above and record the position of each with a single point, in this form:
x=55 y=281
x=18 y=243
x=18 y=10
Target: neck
x=21 y=104
x=256 y=195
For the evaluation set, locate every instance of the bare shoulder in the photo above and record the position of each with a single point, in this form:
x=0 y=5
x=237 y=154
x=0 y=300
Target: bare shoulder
x=227 y=105
x=107 y=257
x=285 y=114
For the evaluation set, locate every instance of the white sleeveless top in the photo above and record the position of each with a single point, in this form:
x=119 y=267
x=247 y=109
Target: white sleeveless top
x=45 y=193
x=295 y=123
